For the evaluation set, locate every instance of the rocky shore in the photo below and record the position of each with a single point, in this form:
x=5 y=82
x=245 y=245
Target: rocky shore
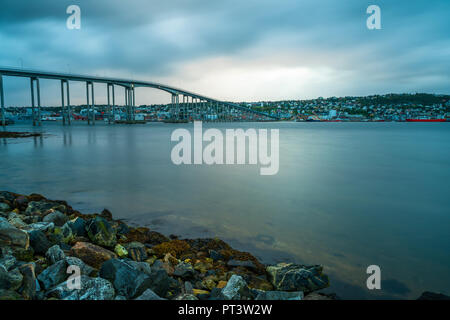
x=43 y=241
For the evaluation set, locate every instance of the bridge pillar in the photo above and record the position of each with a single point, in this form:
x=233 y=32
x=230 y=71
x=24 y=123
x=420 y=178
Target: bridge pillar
x=38 y=93
x=69 y=109
x=33 y=111
x=185 y=98
x=126 y=103
x=114 y=103
x=2 y=101
x=111 y=113
x=90 y=104
x=63 y=109
x=177 y=101
x=33 y=101
x=133 y=103
x=93 y=103
x=109 y=103
x=88 y=108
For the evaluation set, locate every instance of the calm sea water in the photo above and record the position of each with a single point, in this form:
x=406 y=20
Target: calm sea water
x=347 y=195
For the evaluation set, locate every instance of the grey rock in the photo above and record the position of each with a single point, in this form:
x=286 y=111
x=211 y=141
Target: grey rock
x=39 y=242
x=184 y=270
x=10 y=280
x=280 y=295
x=57 y=217
x=158 y=265
x=160 y=282
x=84 y=268
x=119 y=297
x=236 y=288
x=41 y=208
x=41 y=226
x=100 y=232
x=125 y=278
x=293 y=277
x=16 y=220
x=53 y=275
x=149 y=295
x=6 y=195
x=7 y=261
x=54 y=254
x=11 y=236
x=4 y=207
x=28 y=289
x=90 y=289
x=141 y=266
x=78 y=226
x=216 y=294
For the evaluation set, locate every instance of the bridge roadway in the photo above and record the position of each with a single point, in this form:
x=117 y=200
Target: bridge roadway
x=197 y=100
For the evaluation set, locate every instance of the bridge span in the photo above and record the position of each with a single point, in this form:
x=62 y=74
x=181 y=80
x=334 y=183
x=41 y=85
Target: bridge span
x=191 y=106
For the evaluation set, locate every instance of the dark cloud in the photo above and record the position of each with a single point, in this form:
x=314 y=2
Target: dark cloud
x=153 y=39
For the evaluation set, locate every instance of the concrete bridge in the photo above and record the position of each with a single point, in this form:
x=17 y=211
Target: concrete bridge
x=184 y=105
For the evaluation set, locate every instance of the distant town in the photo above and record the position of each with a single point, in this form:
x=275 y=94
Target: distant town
x=376 y=108
x=390 y=107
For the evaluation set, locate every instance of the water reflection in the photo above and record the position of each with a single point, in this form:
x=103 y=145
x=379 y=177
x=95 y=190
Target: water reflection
x=346 y=196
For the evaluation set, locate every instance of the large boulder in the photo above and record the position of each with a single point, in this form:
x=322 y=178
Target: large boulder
x=57 y=217
x=90 y=289
x=39 y=241
x=293 y=277
x=91 y=254
x=61 y=235
x=127 y=280
x=42 y=208
x=41 y=226
x=10 y=280
x=28 y=289
x=16 y=220
x=100 y=232
x=4 y=208
x=78 y=226
x=21 y=202
x=11 y=236
x=54 y=254
x=161 y=282
x=53 y=275
x=140 y=266
x=8 y=261
x=84 y=268
x=236 y=289
x=59 y=272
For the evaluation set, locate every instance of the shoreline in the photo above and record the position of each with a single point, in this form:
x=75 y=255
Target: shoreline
x=19 y=134
x=41 y=238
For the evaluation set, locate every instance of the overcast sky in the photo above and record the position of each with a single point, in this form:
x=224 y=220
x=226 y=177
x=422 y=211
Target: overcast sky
x=236 y=50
